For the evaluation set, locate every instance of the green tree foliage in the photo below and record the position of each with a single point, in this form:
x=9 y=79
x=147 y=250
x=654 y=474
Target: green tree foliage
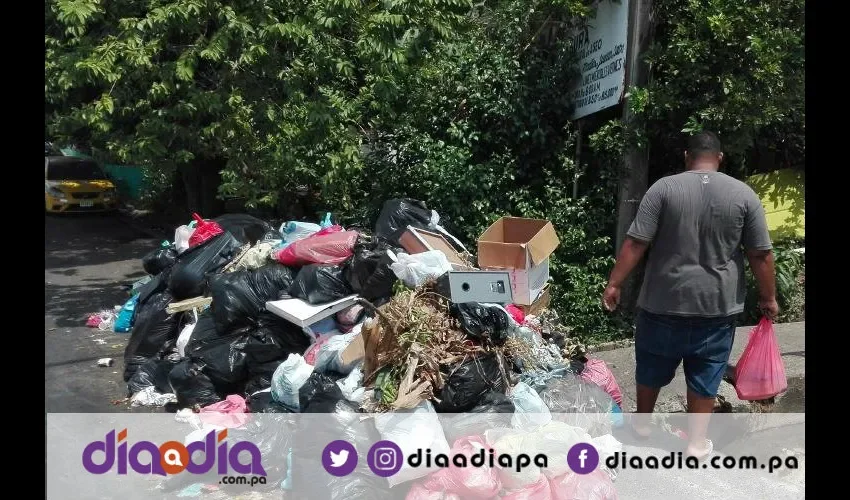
x=458 y=104
x=736 y=68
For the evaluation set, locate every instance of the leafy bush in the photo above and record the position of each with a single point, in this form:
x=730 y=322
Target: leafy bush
x=790 y=285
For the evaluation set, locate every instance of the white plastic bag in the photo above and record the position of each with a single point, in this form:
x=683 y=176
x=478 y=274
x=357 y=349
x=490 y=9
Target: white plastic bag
x=415 y=270
x=183 y=339
x=529 y=409
x=351 y=386
x=181 y=238
x=329 y=357
x=412 y=430
x=288 y=379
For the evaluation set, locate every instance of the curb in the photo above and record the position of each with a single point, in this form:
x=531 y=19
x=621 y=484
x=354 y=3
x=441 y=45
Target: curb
x=611 y=346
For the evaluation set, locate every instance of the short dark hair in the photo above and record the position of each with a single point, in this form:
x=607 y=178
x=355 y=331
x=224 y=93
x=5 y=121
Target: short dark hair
x=704 y=142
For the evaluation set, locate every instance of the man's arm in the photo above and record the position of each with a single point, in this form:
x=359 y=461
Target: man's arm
x=761 y=263
x=640 y=235
x=756 y=240
x=631 y=253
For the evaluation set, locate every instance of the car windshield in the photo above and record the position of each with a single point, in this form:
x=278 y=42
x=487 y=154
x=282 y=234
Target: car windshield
x=74 y=171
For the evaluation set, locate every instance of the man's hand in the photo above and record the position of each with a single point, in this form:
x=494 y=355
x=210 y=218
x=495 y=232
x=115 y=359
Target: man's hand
x=611 y=298
x=770 y=308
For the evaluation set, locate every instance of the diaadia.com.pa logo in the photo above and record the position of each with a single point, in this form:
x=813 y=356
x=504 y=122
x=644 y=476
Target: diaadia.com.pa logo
x=172 y=457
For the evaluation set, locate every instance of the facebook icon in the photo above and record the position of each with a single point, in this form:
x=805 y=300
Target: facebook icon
x=583 y=458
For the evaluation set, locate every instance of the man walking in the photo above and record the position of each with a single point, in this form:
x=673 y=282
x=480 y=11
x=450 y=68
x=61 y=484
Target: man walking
x=696 y=222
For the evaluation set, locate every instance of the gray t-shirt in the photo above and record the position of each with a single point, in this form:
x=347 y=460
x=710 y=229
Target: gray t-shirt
x=697 y=222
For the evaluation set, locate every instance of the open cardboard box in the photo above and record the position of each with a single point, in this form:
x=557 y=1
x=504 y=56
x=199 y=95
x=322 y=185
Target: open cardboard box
x=415 y=241
x=541 y=303
x=522 y=247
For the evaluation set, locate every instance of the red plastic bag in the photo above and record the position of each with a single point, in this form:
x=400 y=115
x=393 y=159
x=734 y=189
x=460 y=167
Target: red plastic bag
x=328 y=230
x=469 y=482
x=594 y=486
x=516 y=313
x=597 y=372
x=760 y=372
x=331 y=249
x=538 y=490
x=205 y=230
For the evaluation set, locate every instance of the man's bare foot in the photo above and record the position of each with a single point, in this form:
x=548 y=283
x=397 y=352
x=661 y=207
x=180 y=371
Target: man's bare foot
x=699 y=452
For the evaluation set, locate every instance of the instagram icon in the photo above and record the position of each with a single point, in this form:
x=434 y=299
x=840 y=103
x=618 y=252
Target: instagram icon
x=385 y=458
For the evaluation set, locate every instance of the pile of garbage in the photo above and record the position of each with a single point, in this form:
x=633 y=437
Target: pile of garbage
x=237 y=316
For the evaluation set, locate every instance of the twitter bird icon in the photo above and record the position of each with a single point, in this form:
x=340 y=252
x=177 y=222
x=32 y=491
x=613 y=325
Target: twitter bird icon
x=339 y=458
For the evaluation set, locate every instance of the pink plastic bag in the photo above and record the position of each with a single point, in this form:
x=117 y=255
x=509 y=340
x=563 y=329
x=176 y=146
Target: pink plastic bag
x=597 y=372
x=228 y=413
x=594 y=486
x=760 y=372
x=419 y=492
x=205 y=230
x=469 y=482
x=332 y=249
x=538 y=490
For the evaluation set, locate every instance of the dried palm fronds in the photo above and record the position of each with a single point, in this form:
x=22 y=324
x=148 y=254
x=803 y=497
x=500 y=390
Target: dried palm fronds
x=413 y=335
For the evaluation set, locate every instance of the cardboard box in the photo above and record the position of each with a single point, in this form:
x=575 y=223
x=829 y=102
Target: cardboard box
x=480 y=286
x=415 y=241
x=522 y=247
x=355 y=351
x=539 y=305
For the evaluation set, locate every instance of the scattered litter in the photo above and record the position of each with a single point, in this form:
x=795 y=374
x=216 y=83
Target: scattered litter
x=100 y=341
x=149 y=397
x=105 y=362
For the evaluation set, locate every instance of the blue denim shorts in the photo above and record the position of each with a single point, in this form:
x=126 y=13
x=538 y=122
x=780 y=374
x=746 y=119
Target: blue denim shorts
x=662 y=342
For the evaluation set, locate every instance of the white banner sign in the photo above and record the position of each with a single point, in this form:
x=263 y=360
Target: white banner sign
x=601 y=48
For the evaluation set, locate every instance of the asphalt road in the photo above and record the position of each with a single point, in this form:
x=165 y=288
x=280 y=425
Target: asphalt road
x=88 y=260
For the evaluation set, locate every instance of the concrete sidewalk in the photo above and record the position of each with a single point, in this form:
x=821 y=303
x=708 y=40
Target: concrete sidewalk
x=792 y=343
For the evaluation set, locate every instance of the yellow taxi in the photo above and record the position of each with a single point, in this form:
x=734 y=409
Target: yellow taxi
x=74 y=184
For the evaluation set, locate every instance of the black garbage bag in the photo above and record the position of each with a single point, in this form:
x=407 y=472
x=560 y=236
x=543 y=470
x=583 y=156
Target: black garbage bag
x=158 y=283
x=481 y=322
x=399 y=213
x=320 y=284
x=154 y=373
x=492 y=412
x=368 y=272
x=189 y=274
x=272 y=235
x=191 y=386
x=152 y=328
x=245 y=228
x=259 y=383
x=221 y=357
x=468 y=383
x=159 y=260
x=319 y=391
x=273 y=341
x=239 y=297
x=310 y=480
